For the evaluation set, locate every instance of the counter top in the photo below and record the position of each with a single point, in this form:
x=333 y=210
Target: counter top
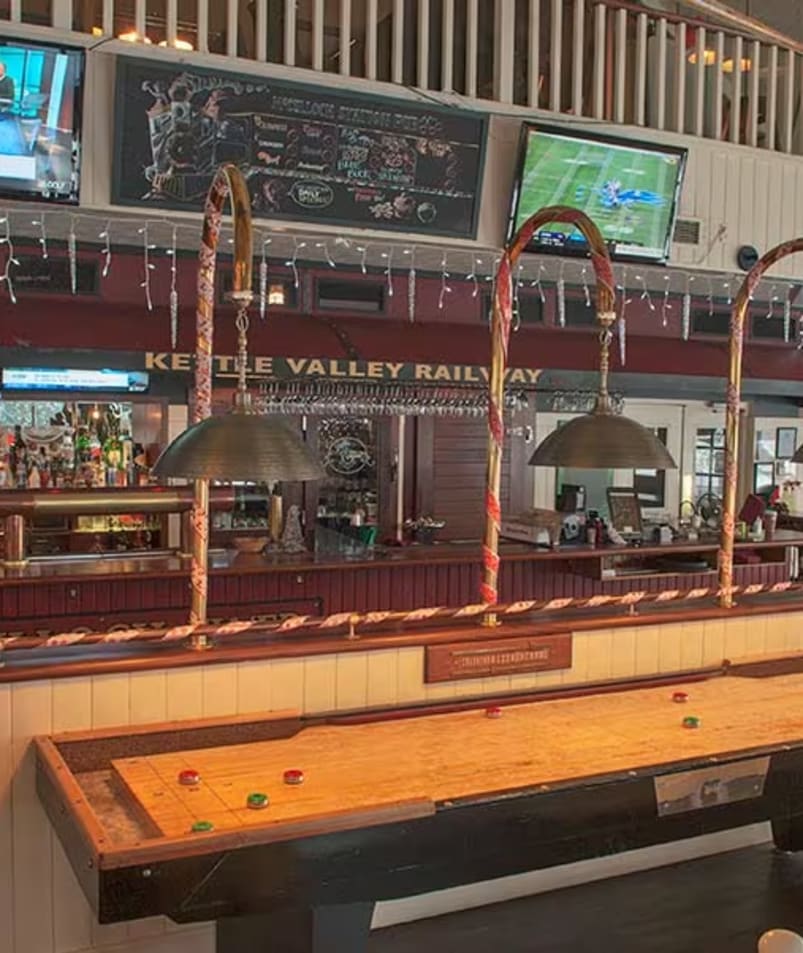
x=226 y=562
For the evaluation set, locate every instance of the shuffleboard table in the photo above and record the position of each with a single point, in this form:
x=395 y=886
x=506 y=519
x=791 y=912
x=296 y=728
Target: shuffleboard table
x=287 y=830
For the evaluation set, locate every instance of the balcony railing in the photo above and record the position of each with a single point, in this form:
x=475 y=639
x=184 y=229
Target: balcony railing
x=601 y=59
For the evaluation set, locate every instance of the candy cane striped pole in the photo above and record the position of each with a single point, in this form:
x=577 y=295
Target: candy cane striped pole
x=500 y=337
x=741 y=305
x=228 y=182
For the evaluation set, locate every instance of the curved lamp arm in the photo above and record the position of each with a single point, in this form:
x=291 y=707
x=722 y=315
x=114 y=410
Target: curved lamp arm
x=500 y=337
x=734 y=395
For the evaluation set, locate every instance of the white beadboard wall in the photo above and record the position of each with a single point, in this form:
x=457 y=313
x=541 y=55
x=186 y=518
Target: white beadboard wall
x=42 y=909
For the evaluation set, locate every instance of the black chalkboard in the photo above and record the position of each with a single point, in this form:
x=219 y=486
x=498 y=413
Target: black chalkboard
x=308 y=154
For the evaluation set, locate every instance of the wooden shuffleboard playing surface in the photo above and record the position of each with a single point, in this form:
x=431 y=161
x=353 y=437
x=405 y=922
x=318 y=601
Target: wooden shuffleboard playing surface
x=462 y=755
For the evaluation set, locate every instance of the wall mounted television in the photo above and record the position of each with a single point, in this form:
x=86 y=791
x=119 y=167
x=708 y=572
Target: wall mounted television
x=629 y=188
x=107 y=380
x=41 y=91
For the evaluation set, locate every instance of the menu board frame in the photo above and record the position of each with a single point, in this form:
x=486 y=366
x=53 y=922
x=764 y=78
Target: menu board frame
x=416 y=207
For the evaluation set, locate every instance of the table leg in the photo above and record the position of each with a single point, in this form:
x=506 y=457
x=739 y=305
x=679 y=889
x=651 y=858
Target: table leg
x=787 y=832
x=334 y=929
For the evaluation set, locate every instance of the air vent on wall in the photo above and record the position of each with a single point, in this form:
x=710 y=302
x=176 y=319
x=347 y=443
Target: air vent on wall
x=366 y=297
x=37 y=275
x=687 y=231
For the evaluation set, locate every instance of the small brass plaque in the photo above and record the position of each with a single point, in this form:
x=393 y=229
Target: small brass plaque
x=457 y=660
x=709 y=787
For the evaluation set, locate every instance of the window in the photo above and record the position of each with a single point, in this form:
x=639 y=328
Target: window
x=771 y=463
x=579 y=314
x=709 y=462
x=650 y=485
x=531 y=310
x=718 y=323
x=767 y=329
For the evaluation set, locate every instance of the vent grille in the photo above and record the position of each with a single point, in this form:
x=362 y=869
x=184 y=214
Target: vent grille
x=687 y=231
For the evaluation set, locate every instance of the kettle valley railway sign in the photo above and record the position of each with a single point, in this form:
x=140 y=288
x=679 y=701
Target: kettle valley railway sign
x=312 y=368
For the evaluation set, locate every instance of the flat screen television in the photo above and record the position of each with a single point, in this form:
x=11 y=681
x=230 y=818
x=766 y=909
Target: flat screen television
x=74 y=379
x=628 y=188
x=41 y=89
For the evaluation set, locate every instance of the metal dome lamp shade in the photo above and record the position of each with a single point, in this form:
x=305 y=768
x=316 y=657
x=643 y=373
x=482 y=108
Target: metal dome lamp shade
x=241 y=445
x=603 y=439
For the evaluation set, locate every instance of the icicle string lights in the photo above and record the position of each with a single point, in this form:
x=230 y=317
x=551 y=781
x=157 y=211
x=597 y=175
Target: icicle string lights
x=561 y=291
x=147 y=266
x=654 y=286
x=787 y=317
x=325 y=249
x=666 y=307
x=586 y=289
x=173 y=292
x=516 y=299
x=472 y=276
x=42 y=240
x=263 y=280
x=645 y=292
x=411 y=288
x=388 y=255
x=685 y=314
x=72 y=254
x=292 y=264
x=445 y=286
x=771 y=303
x=11 y=260
x=106 y=251
x=621 y=324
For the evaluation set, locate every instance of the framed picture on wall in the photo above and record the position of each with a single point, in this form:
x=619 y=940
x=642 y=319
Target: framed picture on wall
x=785 y=442
x=763 y=477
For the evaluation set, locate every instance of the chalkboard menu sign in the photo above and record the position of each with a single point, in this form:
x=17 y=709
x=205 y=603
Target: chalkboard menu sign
x=308 y=153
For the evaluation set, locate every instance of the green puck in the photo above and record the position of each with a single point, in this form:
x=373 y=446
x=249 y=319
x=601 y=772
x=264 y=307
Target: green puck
x=202 y=827
x=256 y=801
x=691 y=721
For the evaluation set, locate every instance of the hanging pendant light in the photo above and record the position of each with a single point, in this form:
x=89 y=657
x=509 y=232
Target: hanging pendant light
x=603 y=439
x=241 y=445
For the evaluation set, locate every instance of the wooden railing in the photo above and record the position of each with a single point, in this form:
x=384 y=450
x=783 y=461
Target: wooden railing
x=601 y=59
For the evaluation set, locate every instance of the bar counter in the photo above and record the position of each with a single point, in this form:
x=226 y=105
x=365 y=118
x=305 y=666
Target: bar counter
x=96 y=594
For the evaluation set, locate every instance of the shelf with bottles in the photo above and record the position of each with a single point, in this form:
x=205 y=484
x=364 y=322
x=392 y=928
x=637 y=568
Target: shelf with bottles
x=45 y=444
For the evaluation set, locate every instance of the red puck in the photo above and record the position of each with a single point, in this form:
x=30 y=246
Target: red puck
x=294 y=776
x=189 y=777
x=680 y=697
x=494 y=712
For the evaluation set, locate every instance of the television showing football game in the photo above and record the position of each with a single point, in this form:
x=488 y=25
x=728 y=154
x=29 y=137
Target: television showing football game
x=629 y=189
x=40 y=121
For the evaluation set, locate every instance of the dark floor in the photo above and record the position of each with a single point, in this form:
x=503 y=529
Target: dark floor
x=718 y=904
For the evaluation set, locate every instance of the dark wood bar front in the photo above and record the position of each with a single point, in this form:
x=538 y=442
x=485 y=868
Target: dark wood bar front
x=100 y=593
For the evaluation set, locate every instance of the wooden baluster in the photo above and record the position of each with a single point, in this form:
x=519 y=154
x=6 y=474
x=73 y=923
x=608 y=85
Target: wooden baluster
x=641 y=70
x=555 y=55
x=534 y=54
x=472 y=31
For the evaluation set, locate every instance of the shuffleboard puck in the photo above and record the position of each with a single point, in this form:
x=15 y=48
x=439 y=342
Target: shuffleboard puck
x=189 y=777
x=256 y=801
